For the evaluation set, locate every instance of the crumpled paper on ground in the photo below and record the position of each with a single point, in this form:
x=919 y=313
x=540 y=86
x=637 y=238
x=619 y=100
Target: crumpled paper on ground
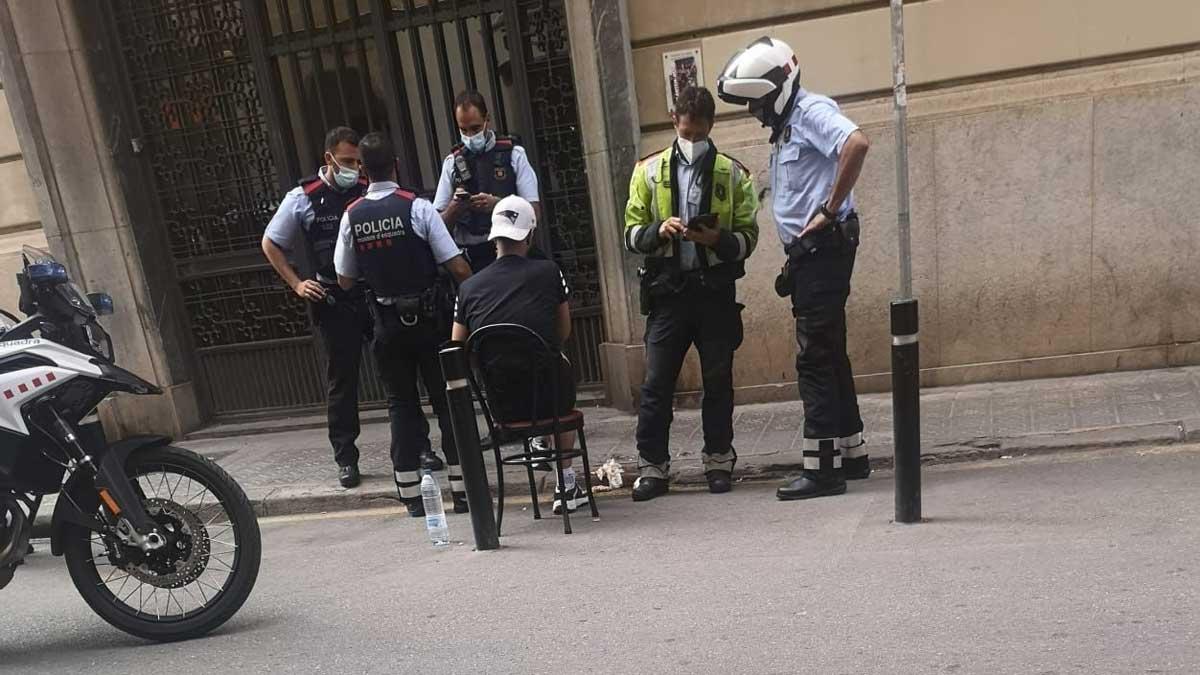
x=611 y=474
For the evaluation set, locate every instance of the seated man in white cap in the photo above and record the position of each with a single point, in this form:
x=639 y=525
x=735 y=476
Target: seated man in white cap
x=532 y=293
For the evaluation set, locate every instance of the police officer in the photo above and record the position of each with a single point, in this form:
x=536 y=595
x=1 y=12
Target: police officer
x=816 y=159
x=691 y=212
x=395 y=242
x=480 y=171
x=309 y=216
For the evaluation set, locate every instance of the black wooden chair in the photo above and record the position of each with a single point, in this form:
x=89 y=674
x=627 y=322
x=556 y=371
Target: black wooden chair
x=514 y=344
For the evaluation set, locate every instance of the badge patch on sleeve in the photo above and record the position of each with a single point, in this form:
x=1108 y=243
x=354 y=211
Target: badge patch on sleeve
x=719 y=191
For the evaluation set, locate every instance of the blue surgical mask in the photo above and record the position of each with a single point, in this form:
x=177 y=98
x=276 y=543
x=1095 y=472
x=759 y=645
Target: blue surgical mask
x=477 y=143
x=344 y=177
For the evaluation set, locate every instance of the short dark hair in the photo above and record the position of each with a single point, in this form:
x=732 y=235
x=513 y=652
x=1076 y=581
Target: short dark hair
x=696 y=102
x=471 y=99
x=339 y=135
x=378 y=156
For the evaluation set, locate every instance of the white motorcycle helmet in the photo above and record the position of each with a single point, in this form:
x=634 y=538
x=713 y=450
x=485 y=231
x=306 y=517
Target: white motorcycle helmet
x=764 y=76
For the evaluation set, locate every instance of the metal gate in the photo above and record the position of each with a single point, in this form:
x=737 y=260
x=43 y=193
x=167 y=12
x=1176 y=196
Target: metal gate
x=233 y=99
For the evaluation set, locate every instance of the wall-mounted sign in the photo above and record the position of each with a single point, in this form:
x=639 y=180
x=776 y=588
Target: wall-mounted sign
x=681 y=69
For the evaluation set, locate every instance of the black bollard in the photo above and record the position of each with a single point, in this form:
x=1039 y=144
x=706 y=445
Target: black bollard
x=466 y=437
x=906 y=409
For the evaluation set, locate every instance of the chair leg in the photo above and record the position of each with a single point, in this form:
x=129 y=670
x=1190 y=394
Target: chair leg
x=499 y=489
x=566 y=513
x=587 y=473
x=533 y=495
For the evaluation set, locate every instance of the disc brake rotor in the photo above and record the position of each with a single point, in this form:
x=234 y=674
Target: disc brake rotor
x=180 y=561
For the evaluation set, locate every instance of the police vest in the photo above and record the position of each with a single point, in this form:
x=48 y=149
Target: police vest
x=492 y=173
x=393 y=259
x=718 y=182
x=328 y=205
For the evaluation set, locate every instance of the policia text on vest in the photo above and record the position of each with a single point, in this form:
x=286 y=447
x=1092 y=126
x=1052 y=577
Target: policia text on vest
x=688 y=291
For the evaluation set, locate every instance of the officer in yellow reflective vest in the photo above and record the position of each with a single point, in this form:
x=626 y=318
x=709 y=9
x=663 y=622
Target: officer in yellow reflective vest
x=691 y=212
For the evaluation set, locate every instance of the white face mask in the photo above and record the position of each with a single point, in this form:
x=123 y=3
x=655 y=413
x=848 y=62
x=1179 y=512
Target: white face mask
x=344 y=177
x=691 y=150
x=477 y=143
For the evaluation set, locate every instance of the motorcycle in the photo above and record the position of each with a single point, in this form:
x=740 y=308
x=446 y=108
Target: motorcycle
x=159 y=541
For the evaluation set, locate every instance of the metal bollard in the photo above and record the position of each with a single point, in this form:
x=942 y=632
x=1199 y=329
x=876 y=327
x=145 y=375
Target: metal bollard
x=470 y=456
x=906 y=410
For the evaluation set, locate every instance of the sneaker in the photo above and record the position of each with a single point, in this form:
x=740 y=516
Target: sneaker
x=574 y=498
x=538 y=448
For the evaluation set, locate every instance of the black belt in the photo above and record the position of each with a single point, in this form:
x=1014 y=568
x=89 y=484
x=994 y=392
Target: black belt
x=839 y=234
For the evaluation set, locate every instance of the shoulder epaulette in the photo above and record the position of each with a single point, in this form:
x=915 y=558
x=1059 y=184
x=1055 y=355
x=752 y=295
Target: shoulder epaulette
x=311 y=184
x=652 y=155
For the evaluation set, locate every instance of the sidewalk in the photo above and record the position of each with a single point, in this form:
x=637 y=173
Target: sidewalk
x=286 y=466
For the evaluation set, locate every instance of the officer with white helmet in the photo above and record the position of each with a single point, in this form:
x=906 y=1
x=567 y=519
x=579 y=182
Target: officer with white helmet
x=816 y=159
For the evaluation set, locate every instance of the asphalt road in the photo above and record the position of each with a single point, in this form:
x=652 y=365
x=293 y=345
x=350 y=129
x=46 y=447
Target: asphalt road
x=1080 y=563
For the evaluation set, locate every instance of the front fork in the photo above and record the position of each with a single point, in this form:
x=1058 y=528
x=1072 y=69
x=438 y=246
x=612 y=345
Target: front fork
x=117 y=493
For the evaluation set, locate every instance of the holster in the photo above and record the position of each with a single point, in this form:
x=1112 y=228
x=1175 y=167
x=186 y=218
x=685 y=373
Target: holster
x=410 y=310
x=842 y=234
x=658 y=279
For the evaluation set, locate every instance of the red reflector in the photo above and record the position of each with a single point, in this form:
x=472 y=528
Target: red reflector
x=8 y=393
x=37 y=381
x=50 y=377
x=23 y=388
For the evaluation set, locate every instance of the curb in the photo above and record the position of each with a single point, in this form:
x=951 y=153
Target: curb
x=290 y=501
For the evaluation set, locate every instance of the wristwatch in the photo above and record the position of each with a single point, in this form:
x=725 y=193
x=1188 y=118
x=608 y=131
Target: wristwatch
x=828 y=214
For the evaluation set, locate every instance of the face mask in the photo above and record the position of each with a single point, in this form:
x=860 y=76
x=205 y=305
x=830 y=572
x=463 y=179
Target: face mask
x=691 y=150
x=344 y=177
x=476 y=143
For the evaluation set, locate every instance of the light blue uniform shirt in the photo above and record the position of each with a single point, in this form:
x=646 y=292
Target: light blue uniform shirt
x=804 y=162
x=426 y=224
x=688 y=177
x=527 y=188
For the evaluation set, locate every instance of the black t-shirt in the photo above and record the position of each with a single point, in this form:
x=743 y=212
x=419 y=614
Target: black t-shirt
x=514 y=289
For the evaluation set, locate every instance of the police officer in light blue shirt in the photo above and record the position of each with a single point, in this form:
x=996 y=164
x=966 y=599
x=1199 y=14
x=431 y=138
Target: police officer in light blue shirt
x=304 y=228
x=816 y=158
x=395 y=242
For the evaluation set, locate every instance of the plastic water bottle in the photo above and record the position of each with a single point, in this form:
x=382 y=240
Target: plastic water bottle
x=435 y=513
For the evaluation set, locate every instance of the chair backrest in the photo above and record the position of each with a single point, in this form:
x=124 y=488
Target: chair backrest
x=507 y=358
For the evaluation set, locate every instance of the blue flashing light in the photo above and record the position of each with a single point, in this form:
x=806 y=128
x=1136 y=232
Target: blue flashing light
x=50 y=272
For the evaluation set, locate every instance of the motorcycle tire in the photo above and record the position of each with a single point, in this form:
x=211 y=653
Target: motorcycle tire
x=77 y=551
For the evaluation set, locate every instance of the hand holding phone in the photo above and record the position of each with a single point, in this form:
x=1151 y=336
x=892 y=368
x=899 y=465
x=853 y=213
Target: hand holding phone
x=703 y=229
x=701 y=222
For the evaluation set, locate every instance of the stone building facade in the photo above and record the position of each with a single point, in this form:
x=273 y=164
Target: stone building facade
x=1053 y=149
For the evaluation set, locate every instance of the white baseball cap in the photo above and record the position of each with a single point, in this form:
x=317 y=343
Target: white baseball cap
x=513 y=218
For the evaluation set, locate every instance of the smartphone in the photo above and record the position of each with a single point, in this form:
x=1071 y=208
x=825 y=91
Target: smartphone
x=707 y=220
x=462 y=195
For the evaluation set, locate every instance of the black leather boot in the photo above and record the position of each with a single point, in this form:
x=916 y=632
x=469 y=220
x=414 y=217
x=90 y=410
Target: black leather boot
x=855 y=462
x=819 y=478
x=646 y=488
x=416 y=507
x=431 y=462
x=856 y=468
x=812 y=484
x=719 y=482
x=349 y=477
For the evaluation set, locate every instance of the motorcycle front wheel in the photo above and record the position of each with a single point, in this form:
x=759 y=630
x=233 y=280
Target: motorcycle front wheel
x=195 y=582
